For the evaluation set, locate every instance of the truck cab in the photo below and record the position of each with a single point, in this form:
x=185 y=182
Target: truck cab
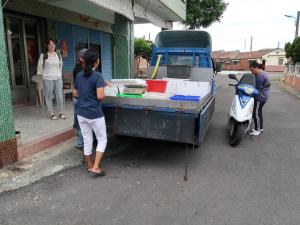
x=184 y=54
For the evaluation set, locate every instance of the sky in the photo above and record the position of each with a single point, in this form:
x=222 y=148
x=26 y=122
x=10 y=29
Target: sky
x=264 y=20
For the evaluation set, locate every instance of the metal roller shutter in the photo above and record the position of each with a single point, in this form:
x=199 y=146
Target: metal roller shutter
x=95 y=37
x=106 y=55
x=64 y=33
x=81 y=34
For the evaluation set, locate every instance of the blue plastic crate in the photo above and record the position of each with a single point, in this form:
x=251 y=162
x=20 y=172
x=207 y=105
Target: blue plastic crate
x=185 y=98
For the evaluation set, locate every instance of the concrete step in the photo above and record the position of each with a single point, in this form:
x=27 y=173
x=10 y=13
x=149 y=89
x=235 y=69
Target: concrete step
x=45 y=142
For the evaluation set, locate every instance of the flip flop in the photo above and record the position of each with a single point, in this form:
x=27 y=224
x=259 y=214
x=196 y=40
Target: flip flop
x=62 y=116
x=53 y=117
x=97 y=174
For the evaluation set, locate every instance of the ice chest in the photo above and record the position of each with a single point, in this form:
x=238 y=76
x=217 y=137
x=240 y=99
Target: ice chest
x=187 y=87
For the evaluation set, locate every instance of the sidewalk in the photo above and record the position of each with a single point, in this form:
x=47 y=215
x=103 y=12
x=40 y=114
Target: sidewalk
x=38 y=132
x=290 y=89
x=51 y=161
x=33 y=121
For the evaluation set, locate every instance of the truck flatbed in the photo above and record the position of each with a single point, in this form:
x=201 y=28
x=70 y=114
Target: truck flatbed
x=163 y=119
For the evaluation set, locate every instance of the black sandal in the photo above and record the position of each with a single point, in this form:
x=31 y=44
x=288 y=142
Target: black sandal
x=98 y=174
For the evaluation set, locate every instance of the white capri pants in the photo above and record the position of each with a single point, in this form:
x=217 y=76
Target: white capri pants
x=87 y=127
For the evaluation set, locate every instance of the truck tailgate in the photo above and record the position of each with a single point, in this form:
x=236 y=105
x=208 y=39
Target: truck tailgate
x=161 y=123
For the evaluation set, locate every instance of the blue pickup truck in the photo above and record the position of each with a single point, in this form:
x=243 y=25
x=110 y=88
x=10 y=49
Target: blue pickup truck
x=181 y=54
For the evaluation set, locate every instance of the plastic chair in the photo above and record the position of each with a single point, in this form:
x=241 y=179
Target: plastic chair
x=67 y=89
x=39 y=89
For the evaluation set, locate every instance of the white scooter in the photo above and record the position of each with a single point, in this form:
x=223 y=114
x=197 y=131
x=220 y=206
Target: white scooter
x=240 y=116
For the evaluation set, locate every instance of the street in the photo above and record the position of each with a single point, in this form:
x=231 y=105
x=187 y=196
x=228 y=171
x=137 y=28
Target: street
x=256 y=183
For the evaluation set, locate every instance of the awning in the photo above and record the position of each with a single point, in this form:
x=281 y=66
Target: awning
x=123 y=7
x=103 y=10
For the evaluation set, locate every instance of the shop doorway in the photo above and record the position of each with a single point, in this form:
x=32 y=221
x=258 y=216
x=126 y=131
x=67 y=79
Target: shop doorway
x=23 y=40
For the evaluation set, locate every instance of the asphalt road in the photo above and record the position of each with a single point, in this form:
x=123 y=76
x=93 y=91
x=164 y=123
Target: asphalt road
x=256 y=183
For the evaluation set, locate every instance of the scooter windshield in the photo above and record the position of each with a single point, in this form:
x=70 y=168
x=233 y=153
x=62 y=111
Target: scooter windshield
x=247 y=89
x=248 y=78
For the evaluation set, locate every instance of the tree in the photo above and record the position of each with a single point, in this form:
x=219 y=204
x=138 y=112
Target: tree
x=293 y=50
x=142 y=48
x=296 y=50
x=202 y=13
x=288 y=50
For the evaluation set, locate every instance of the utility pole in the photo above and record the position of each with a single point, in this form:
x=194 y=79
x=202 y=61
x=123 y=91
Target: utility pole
x=297 y=24
x=251 y=43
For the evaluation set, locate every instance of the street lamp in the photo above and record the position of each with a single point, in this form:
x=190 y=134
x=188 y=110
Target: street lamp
x=289 y=16
x=296 y=22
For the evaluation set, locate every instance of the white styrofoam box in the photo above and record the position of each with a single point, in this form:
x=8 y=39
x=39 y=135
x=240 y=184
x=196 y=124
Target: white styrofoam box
x=119 y=82
x=110 y=91
x=156 y=95
x=187 y=87
x=116 y=86
x=194 y=88
x=172 y=85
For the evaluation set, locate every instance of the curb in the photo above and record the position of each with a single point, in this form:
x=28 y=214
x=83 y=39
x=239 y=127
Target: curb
x=51 y=161
x=43 y=143
x=291 y=90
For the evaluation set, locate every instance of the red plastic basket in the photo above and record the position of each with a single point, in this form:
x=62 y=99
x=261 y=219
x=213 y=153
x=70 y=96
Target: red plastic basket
x=157 y=86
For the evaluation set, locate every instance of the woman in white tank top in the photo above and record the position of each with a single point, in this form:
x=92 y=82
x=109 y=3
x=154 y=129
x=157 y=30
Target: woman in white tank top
x=50 y=68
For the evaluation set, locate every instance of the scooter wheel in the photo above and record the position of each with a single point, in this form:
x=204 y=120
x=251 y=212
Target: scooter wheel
x=237 y=134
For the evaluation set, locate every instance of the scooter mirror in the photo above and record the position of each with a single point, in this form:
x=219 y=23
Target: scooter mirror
x=233 y=77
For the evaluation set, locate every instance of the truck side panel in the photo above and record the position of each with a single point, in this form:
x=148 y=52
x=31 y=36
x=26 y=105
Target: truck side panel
x=204 y=121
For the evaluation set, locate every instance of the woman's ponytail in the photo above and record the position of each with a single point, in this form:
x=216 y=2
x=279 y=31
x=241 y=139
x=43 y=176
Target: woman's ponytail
x=90 y=59
x=263 y=65
x=88 y=69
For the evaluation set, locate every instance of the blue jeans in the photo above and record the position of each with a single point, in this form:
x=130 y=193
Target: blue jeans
x=79 y=138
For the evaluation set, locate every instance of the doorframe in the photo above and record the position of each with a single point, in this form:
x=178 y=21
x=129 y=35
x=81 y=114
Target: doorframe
x=40 y=23
x=10 y=52
x=10 y=55
x=27 y=75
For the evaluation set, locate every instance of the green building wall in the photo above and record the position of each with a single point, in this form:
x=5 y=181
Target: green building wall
x=123 y=48
x=8 y=147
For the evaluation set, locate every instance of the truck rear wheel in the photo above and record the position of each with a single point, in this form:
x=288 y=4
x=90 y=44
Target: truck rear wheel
x=238 y=134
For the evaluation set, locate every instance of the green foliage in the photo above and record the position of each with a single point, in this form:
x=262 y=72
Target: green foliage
x=288 y=49
x=293 y=50
x=202 y=13
x=296 y=50
x=143 y=48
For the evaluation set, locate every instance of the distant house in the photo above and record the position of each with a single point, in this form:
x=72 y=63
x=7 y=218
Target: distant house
x=224 y=58
x=275 y=60
x=242 y=61
x=140 y=66
x=233 y=60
